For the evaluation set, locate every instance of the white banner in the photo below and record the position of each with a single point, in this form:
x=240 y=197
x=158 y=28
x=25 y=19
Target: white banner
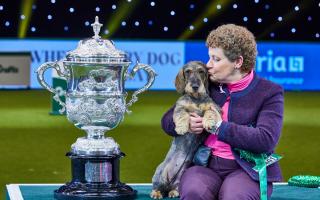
x=15 y=69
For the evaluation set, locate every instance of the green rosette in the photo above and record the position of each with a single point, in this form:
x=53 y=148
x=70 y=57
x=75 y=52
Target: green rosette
x=305 y=181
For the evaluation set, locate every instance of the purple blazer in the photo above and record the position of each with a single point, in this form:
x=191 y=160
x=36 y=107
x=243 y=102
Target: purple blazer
x=255 y=119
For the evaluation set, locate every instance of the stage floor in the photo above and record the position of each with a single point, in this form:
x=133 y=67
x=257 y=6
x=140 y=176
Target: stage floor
x=281 y=191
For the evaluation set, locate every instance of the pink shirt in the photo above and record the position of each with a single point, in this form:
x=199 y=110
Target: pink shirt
x=220 y=148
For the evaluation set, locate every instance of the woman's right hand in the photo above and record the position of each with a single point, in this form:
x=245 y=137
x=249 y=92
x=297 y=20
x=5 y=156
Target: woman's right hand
x=195 y=123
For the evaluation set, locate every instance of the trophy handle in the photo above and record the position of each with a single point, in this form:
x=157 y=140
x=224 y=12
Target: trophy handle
x=151 y=75
x=63 y=73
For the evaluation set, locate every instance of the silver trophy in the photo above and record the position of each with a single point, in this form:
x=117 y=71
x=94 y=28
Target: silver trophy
x=95 y=102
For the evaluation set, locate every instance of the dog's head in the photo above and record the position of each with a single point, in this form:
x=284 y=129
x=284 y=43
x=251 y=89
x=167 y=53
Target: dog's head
x=192 y=79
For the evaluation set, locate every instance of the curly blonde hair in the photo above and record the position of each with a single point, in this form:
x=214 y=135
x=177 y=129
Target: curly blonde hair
x=235 y=41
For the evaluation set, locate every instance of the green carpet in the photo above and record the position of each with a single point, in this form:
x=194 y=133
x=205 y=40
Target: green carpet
x=33 y=143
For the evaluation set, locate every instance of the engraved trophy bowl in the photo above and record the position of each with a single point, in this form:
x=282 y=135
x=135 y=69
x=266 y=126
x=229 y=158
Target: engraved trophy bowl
x=95 y=102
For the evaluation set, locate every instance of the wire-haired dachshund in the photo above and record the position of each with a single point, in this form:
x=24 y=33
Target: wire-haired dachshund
x=192 y=83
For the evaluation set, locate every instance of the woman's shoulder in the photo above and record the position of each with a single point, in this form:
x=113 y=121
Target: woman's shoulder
x=268 y=85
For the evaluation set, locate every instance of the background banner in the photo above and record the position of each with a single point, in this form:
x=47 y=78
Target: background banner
x=292 y=65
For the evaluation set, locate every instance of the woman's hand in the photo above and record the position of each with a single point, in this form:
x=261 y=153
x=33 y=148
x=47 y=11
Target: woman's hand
x=195 y=123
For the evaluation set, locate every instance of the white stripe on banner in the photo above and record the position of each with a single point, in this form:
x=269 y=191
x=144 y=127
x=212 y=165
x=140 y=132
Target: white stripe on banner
x=14 y=192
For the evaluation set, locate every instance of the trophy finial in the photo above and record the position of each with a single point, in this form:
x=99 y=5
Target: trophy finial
x=96 y=28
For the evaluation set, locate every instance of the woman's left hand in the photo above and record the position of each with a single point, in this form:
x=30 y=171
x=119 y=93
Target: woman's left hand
x=195 y=123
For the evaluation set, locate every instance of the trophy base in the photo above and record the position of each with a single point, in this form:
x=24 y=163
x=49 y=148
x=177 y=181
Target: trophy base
x=81 y=191
x=95 y=177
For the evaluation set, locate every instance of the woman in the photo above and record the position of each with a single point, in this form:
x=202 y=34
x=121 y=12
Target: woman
x=252 y=115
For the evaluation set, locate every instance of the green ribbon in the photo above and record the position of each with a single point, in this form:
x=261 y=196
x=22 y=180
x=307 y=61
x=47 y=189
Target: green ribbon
x=261 y=162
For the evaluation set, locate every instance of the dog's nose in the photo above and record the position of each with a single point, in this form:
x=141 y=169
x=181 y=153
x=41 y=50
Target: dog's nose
x=195 y=87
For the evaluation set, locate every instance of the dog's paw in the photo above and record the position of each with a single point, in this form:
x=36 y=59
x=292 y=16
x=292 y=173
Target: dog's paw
x=208 y=124
x=173 y=194
x=156 y=194
x=181 y=130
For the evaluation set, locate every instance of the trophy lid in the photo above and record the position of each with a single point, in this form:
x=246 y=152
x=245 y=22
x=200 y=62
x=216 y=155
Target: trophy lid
x=97 y=50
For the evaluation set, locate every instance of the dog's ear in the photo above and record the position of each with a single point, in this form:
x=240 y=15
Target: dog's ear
x=180 y=82
x=206 y=76
x=206 y=80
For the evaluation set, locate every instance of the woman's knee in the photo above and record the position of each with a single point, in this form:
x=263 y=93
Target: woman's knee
x=199 y=183
x=240 y=186
x=199 y=193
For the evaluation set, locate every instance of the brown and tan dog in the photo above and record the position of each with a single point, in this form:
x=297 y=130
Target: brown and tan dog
x=192 y=83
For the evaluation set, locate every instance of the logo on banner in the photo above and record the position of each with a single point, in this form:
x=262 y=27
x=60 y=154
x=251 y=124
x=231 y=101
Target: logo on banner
x=9 y=69
x=15 y=69
x=276 y=68
x=154 y=59
x=41 y=56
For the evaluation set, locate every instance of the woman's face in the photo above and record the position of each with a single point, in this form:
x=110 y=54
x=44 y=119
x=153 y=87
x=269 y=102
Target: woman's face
x=220 y=68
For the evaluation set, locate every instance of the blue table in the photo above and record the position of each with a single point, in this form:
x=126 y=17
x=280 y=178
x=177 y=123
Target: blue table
x=281 y=191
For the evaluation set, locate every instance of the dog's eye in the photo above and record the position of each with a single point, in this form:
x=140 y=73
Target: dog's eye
x=201 y=72
x=187 y=72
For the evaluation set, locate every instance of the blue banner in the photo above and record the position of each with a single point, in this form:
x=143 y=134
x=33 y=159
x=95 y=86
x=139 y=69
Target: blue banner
x=165 y=57
x=292 y=65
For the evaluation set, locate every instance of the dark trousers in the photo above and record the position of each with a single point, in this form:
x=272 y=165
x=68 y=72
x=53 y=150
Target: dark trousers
x=223 y=179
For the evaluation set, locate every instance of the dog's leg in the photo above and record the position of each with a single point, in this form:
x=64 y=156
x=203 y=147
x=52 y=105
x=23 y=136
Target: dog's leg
x=173 y=193
x=156 y=194
x=210 y=117
x=181 y=120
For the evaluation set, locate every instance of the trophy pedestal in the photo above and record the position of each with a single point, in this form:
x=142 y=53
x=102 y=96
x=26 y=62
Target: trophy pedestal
x=94 y=177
